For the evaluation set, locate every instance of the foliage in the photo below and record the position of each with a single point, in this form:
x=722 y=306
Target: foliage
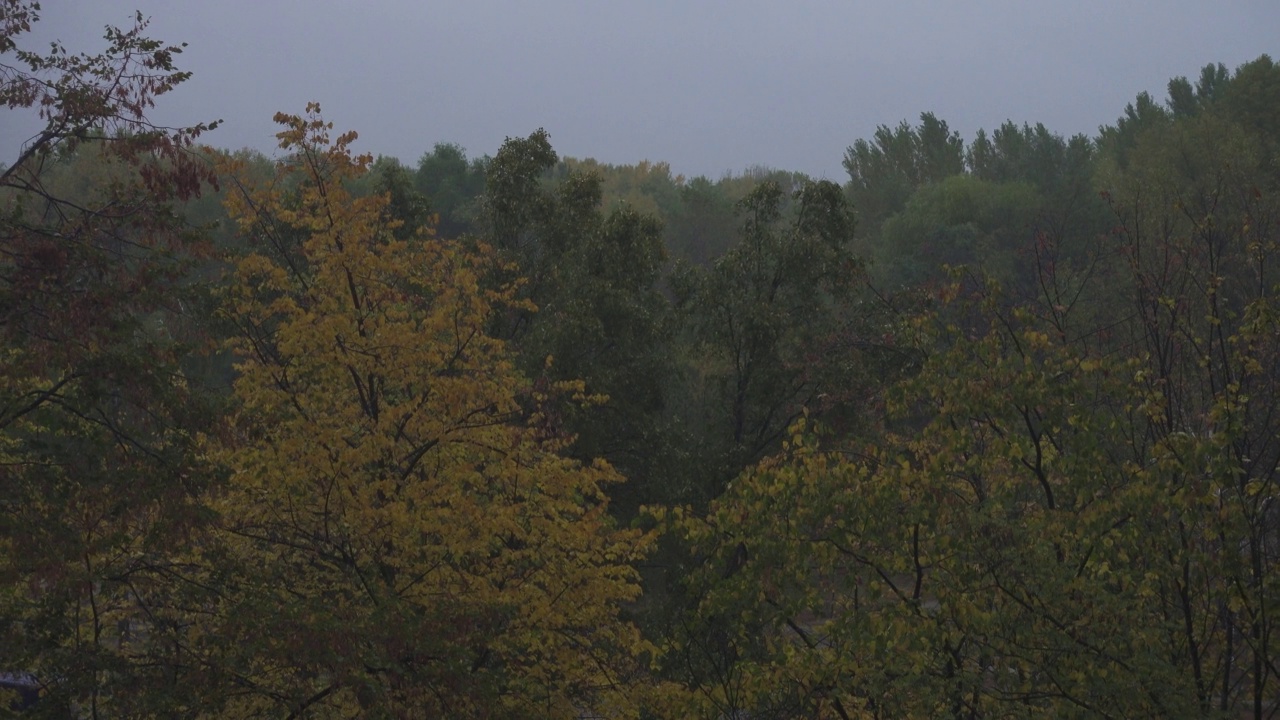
x=706 y=224
x=452 y=185
x=648 y=188
x=406 y=204
x=698 y=215
x=1072 y=513
x=763 y=320
x=601 y=319
x=1022 y=201
x=1044 y=544
x=1047 y=487
x=1031 y=155
x=98 y=423
x=101 y=97
x=959 y=221
x=395 y=539
x=884 y=171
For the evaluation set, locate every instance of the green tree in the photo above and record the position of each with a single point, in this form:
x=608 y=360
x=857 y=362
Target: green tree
x=886 y=170
x=959 y=221
x=1140 y=115
x=413 y=209
x=1185 y=100
x=1069 y=216
x=600 y=318
x=1031 y=155
x=1026 y=204
x=1252 y=99
x=1070 y=513
x=761 y=323
x=705 y=225
x=453 y=186
x=646 y=187
x=1037 y=539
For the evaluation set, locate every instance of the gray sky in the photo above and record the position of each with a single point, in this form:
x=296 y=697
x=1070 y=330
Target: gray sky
x=707 y=85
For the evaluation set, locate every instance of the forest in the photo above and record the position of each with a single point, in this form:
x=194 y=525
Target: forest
x=991 y=430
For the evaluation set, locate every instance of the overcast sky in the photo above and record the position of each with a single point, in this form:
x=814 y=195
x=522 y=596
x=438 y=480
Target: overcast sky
x=707 y=85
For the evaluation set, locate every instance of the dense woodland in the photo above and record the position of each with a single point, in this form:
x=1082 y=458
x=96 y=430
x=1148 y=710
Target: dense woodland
x=992 y=430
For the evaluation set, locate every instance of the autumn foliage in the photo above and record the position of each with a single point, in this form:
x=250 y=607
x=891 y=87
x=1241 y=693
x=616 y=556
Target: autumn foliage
x=399 y=531
x=286 y=453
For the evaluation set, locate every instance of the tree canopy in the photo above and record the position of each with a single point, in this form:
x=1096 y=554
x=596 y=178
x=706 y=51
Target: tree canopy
x=990 y=430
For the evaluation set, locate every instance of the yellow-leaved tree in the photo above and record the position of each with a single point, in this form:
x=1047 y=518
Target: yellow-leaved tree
x=401 y=536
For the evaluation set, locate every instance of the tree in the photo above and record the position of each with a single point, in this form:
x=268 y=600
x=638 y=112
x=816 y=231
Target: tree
x=453 y=186
x=1185 y=100
x=705 y=226
x=408 y=205
x=1251 y=99
x=1070 y=513
x=960 y=221
x=601 y=318
x=1139 y=116
x=1041 y=545
x=897 y=161
x=396 y=537
x=763 y=321
x=1069 y=215
x=648 y=188
x=98 y=424
x=1031 y=155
